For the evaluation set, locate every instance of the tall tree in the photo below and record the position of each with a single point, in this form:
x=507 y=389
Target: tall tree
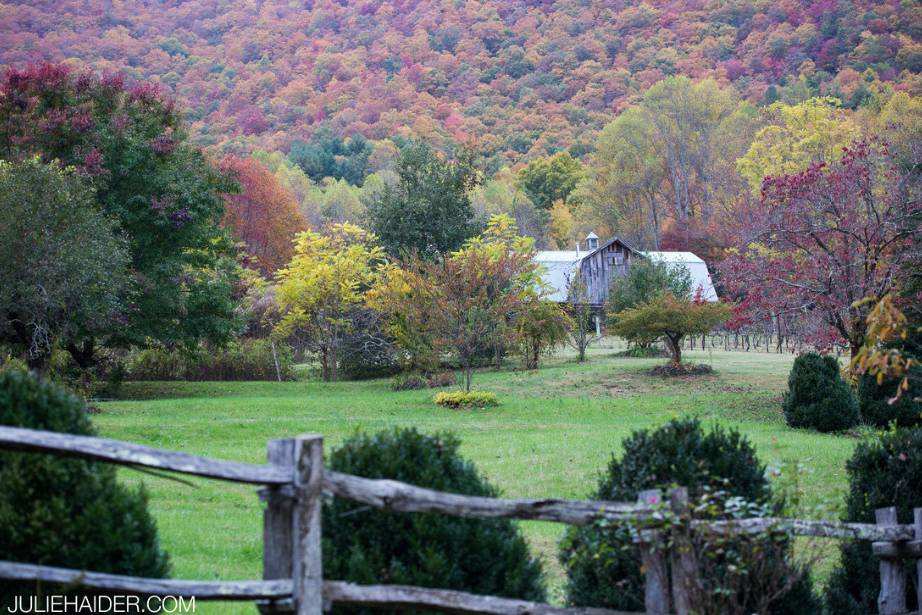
x=165 y=197
x=550 y=179
x=828 y=242
x=795 y=137
x=63 y=264
x=428 y=210
x=262 y=214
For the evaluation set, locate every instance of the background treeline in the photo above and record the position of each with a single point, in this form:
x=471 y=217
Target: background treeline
x=520 y=79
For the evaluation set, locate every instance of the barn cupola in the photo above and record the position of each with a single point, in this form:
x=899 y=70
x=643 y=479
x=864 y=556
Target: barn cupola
x=592 y=242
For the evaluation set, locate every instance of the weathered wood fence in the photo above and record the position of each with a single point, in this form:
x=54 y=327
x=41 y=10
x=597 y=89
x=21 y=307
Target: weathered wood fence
x=295 y=479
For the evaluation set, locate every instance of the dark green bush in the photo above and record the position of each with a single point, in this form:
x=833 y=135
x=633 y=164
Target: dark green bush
x=426 y=549
x=817 y=397
x=603 y=565
x=875 y=406
x=66 y=512
x=244 y=359
x=414 y=381
x=886 y=471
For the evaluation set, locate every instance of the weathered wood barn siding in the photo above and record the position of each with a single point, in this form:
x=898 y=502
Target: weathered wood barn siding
x=599 y=268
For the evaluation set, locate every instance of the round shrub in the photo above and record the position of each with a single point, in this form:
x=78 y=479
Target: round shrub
x=874 y=401
x=483 y=556
x=885 y=471
x=817 y=397
x=66 y=512
x=603 y=564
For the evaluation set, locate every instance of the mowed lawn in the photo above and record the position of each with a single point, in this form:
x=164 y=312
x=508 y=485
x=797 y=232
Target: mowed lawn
x=552 y=435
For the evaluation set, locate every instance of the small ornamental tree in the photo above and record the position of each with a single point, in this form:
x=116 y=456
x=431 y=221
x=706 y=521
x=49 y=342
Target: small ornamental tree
x=541 y=326
x=363 y=545
x=63 y=266
x=671 y=319
x=328 y=276
x=645 y=280
x=464 y=306
x=70 y=513
x=582 y=331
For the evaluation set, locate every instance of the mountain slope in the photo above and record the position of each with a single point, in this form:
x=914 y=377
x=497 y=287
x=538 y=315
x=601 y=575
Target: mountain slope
x=518 y=78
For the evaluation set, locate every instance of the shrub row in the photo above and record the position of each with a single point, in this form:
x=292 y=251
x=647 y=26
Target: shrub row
x=246 y=359
x=415 y=381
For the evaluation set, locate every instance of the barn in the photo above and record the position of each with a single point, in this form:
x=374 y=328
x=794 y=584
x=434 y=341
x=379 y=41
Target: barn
x=600 y=261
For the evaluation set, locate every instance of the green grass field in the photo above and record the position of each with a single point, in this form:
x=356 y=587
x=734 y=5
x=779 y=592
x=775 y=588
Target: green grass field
x=551 y=436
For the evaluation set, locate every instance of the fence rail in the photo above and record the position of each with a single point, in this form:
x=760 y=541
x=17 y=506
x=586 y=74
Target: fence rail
x=295 y=480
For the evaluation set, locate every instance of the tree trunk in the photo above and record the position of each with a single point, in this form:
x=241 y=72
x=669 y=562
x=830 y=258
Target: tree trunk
x=84 y=356
x=675 y=348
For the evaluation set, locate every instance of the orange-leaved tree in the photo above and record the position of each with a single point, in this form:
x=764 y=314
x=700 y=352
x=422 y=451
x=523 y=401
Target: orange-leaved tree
x=262 y=215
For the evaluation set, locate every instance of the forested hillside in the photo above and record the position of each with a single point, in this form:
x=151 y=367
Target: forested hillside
x=518 y=79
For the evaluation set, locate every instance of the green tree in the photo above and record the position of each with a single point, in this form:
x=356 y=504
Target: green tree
x=645 y=279
x=550 y=179
x=63 y=264
x=541 y=325
x=166 y=198
x=428 y=210
x=671 y=319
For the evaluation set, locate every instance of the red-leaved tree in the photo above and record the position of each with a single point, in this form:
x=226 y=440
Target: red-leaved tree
x=820 y=241
x=263 y=215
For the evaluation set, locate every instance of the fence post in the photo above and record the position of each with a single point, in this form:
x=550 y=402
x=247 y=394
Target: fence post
x=892 y=598
x=278 y=523
x=653 y=562
x=917 y=521
x=308 y=560
x=684 y=573
x=291 y=525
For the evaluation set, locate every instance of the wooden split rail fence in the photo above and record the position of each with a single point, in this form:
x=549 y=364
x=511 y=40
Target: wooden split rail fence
x=295 y=479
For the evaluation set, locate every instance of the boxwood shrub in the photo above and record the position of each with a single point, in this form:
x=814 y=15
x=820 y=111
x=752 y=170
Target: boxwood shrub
x=363 y=545
x=874 y=401
x=66 y=512
x=603 y=564
x=817 y=396
x=885 y=471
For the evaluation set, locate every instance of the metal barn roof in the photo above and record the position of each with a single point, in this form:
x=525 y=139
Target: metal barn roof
x=696 y=267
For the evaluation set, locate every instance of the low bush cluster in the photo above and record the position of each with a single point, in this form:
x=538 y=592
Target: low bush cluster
x=885 y=471
x=818 y=397
x=245 y=359
x=414 y=381
x=681 y=369
x=363 y=545
x=367 y=352
x=466 y=399
x=66 y=512
x=602 y=562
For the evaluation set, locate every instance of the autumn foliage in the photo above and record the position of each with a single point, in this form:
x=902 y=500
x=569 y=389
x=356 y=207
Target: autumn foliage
x=262 y=214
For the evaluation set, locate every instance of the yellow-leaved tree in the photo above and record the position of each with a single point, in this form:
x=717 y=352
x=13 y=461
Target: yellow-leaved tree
x=329 y=275
x=797 y=136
